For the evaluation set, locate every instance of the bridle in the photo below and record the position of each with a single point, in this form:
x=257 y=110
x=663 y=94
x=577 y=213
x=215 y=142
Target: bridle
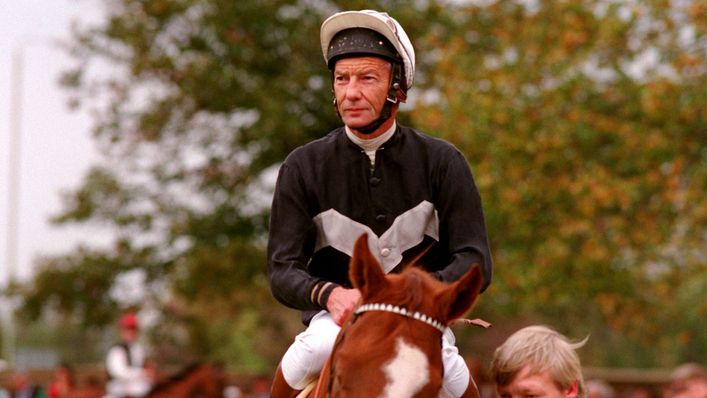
x=371 y=307
x=401 y=311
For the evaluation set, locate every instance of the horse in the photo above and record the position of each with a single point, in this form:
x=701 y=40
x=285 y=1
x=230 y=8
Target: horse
x=390 y=346
x=195 y=381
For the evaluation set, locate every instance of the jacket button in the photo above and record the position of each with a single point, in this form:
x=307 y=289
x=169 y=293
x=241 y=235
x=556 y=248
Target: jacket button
x=374 y=181
x=381 y=218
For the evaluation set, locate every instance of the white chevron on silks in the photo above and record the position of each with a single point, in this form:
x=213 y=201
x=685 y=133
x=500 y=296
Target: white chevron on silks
x=408 y=230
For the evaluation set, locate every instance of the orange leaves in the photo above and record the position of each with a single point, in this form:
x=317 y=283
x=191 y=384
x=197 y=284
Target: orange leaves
x=608 y=303
x=697 y=11
x=587 y=181
x=576 y=31
x=657 y=97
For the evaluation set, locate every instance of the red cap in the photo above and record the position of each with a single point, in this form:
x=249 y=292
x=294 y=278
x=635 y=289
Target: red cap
x=128 y=321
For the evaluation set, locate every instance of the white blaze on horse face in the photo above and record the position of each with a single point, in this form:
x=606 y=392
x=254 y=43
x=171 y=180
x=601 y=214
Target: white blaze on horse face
x=407 y=372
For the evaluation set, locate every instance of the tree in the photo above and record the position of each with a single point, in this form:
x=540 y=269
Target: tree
x=205 y=98
x=583 y=122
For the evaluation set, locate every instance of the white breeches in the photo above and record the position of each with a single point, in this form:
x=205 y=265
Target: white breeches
x=306 y=356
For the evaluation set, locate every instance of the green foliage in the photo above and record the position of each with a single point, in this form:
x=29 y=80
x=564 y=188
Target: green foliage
x=592 y=174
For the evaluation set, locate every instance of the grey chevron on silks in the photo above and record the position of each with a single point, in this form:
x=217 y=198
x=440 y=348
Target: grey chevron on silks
x=408 y=230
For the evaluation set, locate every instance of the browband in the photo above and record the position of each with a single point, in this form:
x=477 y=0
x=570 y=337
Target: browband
x=401 y=311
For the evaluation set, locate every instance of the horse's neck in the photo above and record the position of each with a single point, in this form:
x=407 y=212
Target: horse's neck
x=192 y=381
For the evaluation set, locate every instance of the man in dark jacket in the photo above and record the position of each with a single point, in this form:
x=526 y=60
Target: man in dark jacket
x=406 y=190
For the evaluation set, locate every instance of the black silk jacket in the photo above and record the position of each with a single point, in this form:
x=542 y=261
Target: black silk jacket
x=419 y=192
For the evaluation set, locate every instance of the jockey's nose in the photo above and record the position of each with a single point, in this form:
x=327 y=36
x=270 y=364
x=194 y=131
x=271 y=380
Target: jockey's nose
x=354 y=88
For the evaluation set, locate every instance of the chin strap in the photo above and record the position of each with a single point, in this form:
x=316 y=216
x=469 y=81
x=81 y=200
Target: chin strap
x=390 y=100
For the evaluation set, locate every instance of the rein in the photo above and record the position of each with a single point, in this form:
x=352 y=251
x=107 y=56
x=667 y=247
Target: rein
x=401 y=311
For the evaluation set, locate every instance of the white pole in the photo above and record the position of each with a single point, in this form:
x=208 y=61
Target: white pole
x=13 y=208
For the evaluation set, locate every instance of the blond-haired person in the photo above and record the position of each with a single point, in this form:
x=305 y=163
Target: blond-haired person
x=537 y=361
x=688 y=380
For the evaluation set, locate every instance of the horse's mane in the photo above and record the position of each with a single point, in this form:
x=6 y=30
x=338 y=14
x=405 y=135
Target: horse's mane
x=412 y=275
x=408 y=295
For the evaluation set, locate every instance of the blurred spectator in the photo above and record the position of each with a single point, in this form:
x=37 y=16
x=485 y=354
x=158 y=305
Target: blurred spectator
x=260 y=388
x=232 y=392
x=23 y=387
x=3 y=392
x=62 y=382
x=688 y=381
x=599 y=389
x=125 y=363
x=538 y=361
x=640 y=392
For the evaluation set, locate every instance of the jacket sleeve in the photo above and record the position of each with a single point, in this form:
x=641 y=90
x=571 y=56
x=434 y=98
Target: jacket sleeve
x=462 y=224
x=291 y=241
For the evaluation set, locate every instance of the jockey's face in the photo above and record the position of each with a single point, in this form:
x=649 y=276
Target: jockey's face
x=535 y=385
x=128 y=334
x=361 y=87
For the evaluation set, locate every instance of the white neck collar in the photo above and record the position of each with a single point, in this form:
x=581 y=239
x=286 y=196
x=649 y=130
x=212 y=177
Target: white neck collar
x=371 y=144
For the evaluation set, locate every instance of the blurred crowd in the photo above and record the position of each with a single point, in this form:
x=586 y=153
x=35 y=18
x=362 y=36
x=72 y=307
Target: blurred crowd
x=516 y=365
x=21 y=383
x=687 y=381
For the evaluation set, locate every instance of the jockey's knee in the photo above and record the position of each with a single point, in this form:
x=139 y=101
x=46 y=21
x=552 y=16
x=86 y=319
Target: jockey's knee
x=305 y=358
x=313 y=348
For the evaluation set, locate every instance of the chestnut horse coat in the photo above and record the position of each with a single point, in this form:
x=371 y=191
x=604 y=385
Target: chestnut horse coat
x=390 y=347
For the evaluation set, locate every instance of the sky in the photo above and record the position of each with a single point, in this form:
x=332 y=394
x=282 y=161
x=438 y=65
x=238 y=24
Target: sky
x=55 y=143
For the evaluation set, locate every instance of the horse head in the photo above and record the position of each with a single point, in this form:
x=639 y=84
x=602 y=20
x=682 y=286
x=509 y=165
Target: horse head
x=415 y=287
x=391 y=346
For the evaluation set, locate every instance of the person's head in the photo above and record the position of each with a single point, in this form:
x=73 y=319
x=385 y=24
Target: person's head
x=688 y=381
x=538 y=361
x=64 y=373
x=19 y=380
x=372 y=63
x=128 y=326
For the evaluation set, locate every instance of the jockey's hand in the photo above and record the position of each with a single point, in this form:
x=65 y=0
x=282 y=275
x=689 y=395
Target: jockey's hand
x=342 y=302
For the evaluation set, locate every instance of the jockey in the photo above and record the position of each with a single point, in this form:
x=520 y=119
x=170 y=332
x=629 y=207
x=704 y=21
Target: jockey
x=407 y=190
x=127 y=375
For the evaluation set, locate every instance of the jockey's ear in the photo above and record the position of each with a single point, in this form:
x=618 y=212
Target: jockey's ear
x=459 y=296
x=365 y=271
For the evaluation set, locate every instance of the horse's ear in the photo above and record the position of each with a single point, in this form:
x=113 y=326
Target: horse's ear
x=365 y=271
x=459 y=296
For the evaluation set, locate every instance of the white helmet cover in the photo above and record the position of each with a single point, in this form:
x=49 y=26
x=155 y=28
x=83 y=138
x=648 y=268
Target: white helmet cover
x=377 y=21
